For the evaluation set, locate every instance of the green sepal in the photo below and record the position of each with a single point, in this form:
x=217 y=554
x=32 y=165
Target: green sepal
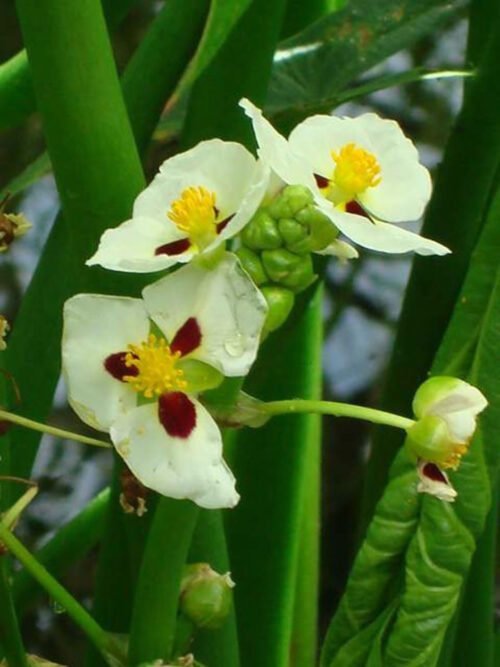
x=292 y=231
x=429 y=439
x=280 y=301
x=322 y=231
x=290 y=201
x=288 y=269
x=252 y=265
x=262 y=232
x=199 y=376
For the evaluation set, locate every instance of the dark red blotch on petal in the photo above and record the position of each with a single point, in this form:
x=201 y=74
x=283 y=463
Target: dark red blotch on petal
x=431 y=471
x=321 y=181
x=177 y=414
x=115 y=365
x=188 y=337
x=354 y=207
x=221 y=226
x=173 y=248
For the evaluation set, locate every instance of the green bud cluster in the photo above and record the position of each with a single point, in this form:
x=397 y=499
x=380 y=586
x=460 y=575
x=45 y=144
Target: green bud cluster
x=276 y=247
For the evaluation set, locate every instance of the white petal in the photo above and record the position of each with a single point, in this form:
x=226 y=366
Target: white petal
x=251 y=197
x=229 y=309
x=344 y=251
x=405 y=186
x=441 y=489
x=275 y=150
x=131 y=246
x=380 y=235
x=94 y=328
x=457 y=402
x=318 y=136
x=190 y=467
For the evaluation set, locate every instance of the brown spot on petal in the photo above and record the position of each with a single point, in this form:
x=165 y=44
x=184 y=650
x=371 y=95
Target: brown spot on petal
x=115 y=365
x=177 y=414
x=431 y=471
x=173 y=248
x=188 y=337
x=321 y=181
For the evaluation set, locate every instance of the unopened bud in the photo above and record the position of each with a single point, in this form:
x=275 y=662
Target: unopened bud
x=250 y=261
x=291 y=200
x=206 y=596
x=321 y=230
x=288 y=269
x=280 y=302
x=446 y=409
x=261 y=233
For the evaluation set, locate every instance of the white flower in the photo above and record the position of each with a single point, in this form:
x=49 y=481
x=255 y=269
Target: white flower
x=197 y=201
x=134 y=368
x=363 y=172
x=446 y=409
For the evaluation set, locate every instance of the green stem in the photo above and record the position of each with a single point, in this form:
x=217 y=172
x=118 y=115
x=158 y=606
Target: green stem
x=82 y=618
x=68 y=545
x=10 y=637
x=295 y=406
x=154 y=617
x=50 y=430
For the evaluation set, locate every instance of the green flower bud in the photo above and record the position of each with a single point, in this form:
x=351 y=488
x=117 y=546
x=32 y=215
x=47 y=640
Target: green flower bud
x=250 y=261
x=292 y=231
x=280 y=302
x=206 y=596
x=290 y=201
x=288 y=269
x=429 y=439
x=261 y=233
x=321 y=231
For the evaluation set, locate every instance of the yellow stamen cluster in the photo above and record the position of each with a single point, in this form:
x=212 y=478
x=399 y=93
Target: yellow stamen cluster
x=356 y=170
x=156 y=366
x=453 y=459
x=195 y=214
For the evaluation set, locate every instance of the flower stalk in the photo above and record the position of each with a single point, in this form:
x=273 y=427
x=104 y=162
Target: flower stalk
x=101 y=639
x=295 y=406
x=50 y=430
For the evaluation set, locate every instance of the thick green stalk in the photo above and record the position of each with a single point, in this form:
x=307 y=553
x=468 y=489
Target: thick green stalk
x=214 y=647
x=80 y=616
x=271 y=467
x=10 y=636
x=454 y=217
x=17 y=97
x=69 y=544
x=154 y=617
x=304 y=642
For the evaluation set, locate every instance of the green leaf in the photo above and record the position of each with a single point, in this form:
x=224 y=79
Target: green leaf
x=31 y=174
x=222 y=18
x=313 y=67
x=374 y=578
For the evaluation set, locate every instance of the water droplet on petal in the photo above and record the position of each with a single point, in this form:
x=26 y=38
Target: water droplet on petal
x=235 y=346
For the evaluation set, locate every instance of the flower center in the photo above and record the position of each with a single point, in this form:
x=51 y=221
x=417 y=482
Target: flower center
x=355 y=171
x=154 y=365
x=195 y=214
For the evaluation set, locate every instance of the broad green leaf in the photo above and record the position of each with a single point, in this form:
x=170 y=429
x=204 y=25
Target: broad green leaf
x=374 y=578
x=222 y=18
x=314 y=66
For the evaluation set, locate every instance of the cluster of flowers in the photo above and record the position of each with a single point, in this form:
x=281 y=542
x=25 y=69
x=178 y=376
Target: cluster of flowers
x=137 y=368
